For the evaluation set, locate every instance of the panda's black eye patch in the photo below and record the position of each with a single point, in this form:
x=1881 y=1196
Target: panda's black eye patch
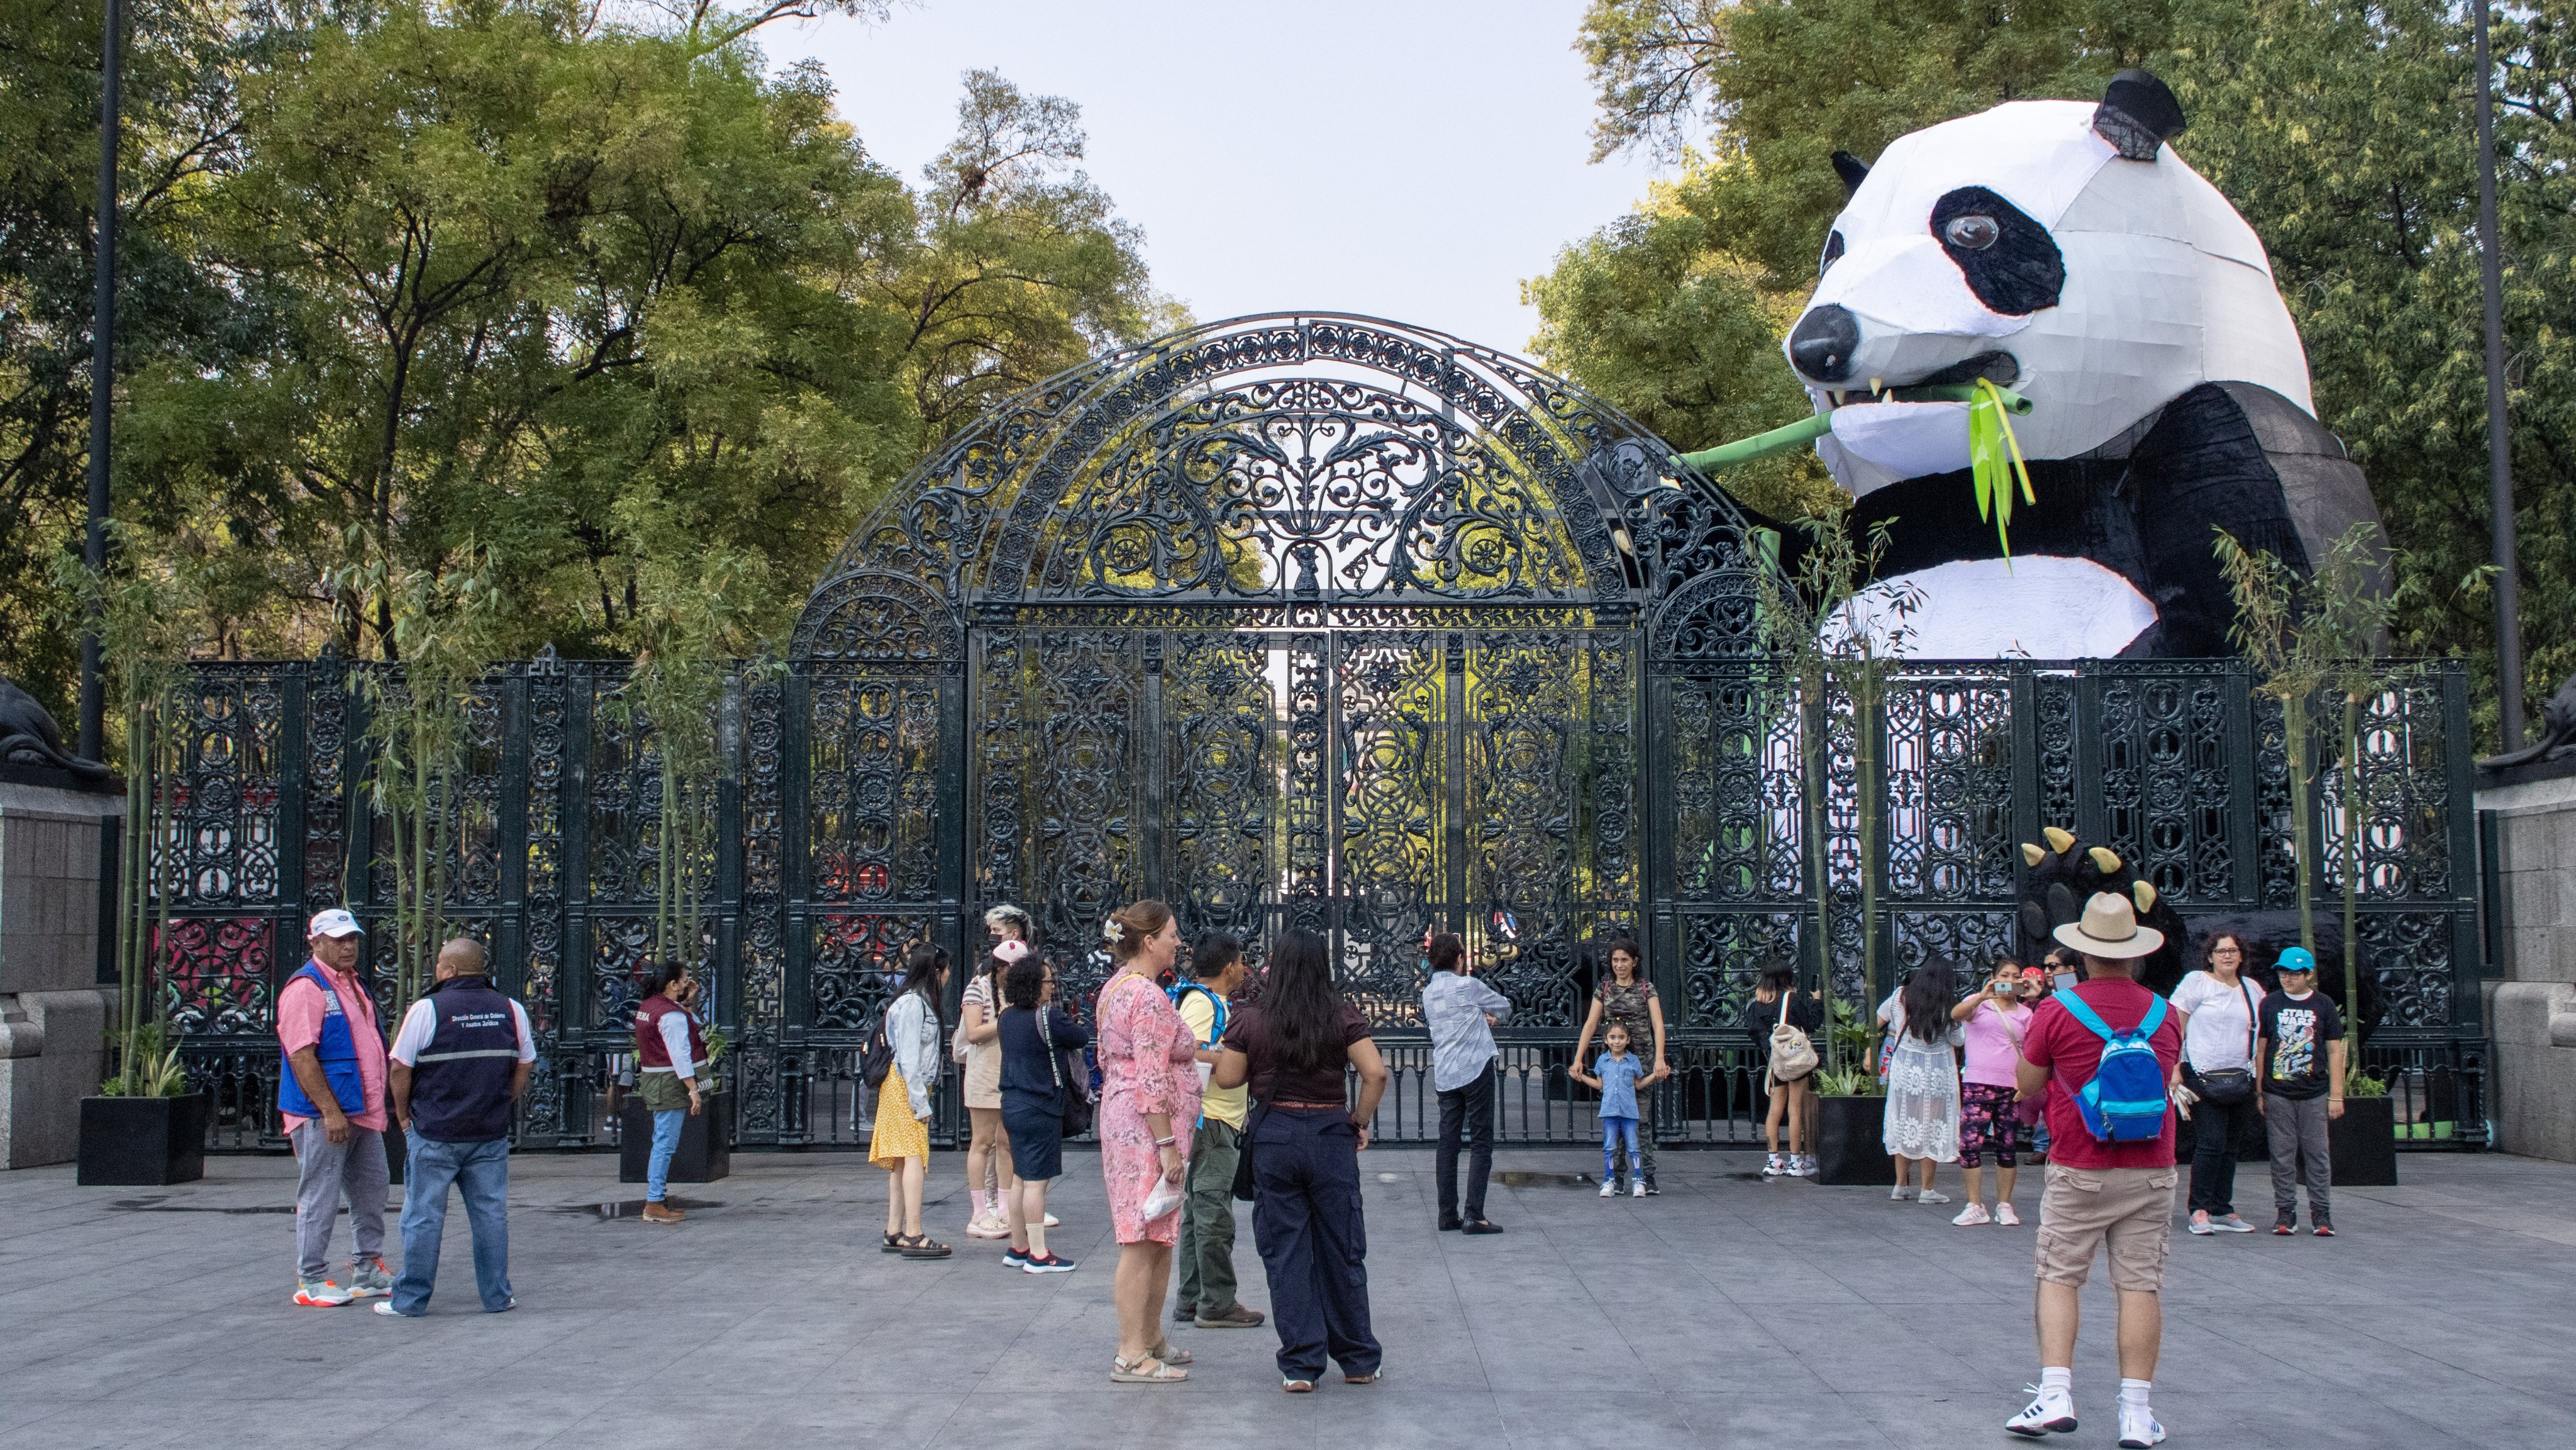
x=1833 y=252
x=2010 y=261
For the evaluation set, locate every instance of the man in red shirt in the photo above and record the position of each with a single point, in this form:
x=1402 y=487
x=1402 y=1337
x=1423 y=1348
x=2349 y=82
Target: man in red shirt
x=2100 y=1194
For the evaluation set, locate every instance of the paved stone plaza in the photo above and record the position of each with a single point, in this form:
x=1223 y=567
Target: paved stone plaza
x=133 y=1317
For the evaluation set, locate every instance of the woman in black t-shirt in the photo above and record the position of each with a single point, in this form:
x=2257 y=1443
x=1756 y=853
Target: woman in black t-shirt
x=1776 y=999
x=1293 y=1046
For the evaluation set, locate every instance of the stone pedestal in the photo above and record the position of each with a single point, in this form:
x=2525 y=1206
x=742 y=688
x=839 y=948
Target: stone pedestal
x=53 y=1012
x=2531 y=1006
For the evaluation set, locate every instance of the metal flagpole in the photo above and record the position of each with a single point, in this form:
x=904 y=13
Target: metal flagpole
x=2508 y=582
x=102 y=352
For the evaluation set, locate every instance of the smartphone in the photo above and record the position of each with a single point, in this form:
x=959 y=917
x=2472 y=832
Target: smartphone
x=2066 y=981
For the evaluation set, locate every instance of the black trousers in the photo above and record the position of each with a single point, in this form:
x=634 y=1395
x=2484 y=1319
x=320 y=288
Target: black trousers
x=1466 y=1113
x=1306 y=1222
x=2218 y=1133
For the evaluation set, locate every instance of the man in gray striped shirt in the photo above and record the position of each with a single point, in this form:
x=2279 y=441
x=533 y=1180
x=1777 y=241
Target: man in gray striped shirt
x=1461 y=1014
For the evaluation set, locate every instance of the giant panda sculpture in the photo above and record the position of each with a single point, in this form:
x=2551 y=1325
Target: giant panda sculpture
x=2063 y=250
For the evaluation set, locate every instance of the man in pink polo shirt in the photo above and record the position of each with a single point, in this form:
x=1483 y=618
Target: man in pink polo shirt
x=332 y=1096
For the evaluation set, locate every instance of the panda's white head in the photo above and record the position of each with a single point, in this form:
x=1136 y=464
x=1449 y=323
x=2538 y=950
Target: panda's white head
x=2057 y=247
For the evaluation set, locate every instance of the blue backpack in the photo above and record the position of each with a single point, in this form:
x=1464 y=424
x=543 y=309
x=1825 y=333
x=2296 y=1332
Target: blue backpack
x=2125 y=1102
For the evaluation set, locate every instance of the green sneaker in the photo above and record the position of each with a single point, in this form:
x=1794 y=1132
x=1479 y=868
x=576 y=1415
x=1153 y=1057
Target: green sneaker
x=370 y=1279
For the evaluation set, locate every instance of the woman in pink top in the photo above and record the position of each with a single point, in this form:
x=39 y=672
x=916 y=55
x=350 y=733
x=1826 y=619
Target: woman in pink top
x=1149 y=1102
x=1993 y=1020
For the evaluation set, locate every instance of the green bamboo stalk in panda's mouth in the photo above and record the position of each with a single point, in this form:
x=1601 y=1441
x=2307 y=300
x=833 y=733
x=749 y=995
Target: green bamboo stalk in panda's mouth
x=1816 y=425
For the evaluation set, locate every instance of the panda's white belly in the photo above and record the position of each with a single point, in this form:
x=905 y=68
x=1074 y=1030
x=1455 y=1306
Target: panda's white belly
x=2040 y=607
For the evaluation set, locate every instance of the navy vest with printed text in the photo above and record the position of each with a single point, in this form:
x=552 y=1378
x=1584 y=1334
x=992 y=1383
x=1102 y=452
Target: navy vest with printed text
x=460 y=1087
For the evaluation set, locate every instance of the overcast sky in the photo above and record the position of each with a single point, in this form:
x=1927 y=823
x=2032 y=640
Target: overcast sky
x=1412 y=159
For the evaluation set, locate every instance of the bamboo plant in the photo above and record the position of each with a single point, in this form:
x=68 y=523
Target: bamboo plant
x=141 y=620
x=441 y=626
x=2305 y=638
x=696 y=608
x=1830 y=635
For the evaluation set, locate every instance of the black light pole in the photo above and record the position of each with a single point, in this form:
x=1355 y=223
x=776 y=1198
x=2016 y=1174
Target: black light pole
x=102 y=377
x=2508 y=582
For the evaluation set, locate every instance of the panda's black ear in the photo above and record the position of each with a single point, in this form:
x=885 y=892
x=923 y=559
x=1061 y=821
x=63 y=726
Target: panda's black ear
x=1852 y=170
x=2138 y=114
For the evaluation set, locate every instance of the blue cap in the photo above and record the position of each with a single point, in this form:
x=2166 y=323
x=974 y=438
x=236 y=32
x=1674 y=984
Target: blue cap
x=2296 y=959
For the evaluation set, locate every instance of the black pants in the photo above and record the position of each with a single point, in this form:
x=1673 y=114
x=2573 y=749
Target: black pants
x=1306 y=1221
x=2218 y=1132
x=1467 y=1111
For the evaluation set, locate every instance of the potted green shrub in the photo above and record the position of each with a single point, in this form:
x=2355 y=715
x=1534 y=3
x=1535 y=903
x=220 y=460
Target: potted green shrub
x=1849 y=1135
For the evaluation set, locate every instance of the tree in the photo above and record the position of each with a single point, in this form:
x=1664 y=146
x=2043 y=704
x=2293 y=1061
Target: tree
x=484 y=271
x=179 y=129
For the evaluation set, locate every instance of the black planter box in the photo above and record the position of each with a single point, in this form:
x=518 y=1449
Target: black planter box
x=706 y=1142
x=143 y=1141
x=2363 y=1143
x=1851 y=1142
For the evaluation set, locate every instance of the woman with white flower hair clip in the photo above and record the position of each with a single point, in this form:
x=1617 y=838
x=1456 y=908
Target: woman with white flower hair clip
x=1149 y=1094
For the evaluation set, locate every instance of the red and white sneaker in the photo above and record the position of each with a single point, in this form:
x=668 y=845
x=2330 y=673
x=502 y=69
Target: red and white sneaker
x=321 y=1294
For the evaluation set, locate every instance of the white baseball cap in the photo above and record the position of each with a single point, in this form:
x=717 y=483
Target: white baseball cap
x=335 y=922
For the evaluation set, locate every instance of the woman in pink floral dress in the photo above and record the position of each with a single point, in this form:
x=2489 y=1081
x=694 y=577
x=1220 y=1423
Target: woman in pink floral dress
x=1149 y=1103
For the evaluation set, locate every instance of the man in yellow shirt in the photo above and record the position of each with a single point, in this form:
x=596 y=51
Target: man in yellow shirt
x=1206 y=1251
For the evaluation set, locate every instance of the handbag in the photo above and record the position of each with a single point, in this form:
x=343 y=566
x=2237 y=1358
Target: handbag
x=1243 y=1184
x=2228 y=1086
x=1073 y=1104
x=1792 y=1055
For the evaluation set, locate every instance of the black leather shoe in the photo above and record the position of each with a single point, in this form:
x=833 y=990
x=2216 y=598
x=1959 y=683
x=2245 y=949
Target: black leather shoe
x=1448 y=1223
x=1483 y=1226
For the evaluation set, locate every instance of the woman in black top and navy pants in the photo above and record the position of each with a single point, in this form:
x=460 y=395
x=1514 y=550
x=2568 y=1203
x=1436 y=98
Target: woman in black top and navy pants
x=1292 y=1046
x=1034 y=1083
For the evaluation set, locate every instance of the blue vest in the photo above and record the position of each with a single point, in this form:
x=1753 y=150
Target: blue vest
x=460 y=1087
x=338 y=1051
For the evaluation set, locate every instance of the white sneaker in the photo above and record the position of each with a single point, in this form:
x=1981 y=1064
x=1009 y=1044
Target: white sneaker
x=1973 y=1215
x=2049 y=1410
x=2230 y=1225
x=1934 y=1195
x=1637 y=1189
x=2004 y=1215
x=1899 y=1194
x=2201 y=1225
x=1803 y=1166
x=1776 y=1168
x=2138 y=1427
x=1609 y=1189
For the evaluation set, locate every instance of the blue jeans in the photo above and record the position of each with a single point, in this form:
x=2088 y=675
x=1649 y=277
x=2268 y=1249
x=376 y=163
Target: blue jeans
x=481 y=1172
x=666 y=1141
x=1614 y=1132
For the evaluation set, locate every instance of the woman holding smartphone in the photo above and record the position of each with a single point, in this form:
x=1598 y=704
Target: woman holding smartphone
x=1992 y=1020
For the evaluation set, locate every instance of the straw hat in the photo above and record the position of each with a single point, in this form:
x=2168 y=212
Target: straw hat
x=2110 y=929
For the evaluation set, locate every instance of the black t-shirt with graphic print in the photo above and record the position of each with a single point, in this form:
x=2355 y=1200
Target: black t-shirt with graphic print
x=2296 y=1031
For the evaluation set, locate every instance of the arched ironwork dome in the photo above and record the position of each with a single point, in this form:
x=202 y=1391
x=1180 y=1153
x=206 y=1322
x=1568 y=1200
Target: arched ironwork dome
x=1293 y=459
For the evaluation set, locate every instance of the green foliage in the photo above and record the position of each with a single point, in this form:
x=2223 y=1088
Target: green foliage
x=2342 y=131
x=2360 y=1084
x=581 y=298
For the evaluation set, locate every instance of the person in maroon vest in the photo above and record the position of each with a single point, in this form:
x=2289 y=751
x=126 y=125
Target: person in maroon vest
x=670 y=1060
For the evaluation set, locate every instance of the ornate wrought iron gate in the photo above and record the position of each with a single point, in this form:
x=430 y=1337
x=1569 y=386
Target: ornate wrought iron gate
x=1295 y=621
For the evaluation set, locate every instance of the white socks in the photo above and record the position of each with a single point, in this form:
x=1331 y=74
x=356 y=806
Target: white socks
x=2057 y=1377
x=2133 y=1393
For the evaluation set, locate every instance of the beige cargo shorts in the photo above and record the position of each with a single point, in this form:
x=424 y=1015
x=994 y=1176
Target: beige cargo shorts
x=2128 y=1209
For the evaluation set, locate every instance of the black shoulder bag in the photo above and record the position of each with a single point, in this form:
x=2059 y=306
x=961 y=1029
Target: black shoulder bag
x=1073 y=1103
x=2229 y=1086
